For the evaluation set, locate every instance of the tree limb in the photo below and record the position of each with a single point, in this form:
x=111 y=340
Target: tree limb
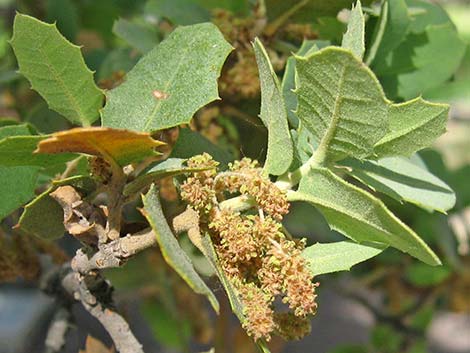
x=115 y=253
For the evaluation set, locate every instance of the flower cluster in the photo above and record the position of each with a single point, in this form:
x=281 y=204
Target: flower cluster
x=262 y=262
x=198 y=190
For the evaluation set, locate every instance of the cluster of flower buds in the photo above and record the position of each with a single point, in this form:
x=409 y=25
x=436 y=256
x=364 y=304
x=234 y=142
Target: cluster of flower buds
x=262 y=262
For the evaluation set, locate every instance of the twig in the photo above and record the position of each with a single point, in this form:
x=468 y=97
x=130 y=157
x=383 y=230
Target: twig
x=188 y=221
x=70 y=167
x=98 y=305
x=58 y=329
x=115 y=202
x=115 y=253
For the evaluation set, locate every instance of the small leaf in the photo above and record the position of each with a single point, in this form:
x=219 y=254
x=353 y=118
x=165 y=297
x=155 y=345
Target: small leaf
x=136 y=35
x=43 y=216
x=341 y=103
x=169 y=167
x=18 y=151
x=115 y=146
x=16 y=130
x=17 y=186
x=171 y=250
x=414 y=125
x=419 y=63
x=183 y=69
x=397 y=25
x=288 y=81
x=339 y=256
x=359 y=215
x=404 y=181
x=354 y=39
x=56 y=70
x=273 y=115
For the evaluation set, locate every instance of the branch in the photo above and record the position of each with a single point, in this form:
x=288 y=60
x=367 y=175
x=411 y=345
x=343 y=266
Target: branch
x=188 y=221
x=94 y=294
x=115 y=253
x=115 y=202
x=57 y=331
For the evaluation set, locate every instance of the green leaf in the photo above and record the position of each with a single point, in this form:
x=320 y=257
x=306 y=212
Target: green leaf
x=7 y=121
x=414 y=125
x=190 y=143
x=359 y=215
x=289 y=79
x=354 y=39
x=169 y=167
x=403 y=180
x=16 y=130
x=46 y=120
x=393 y=26
x=422 y=275
x=420 y=63
x=56 y=70
x=17 y=186
x=273 y=115
x=426 y=13
x=171 y=250
x=179 y=12
x=18 y=151
x=136 y=35
x=44 y=217
x=339 y=256
x=304 y=146
x=169 y=84
x=341 y=103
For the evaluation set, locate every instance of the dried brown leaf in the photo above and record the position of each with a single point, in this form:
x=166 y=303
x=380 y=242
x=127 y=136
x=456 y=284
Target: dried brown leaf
x=82 y=220
x=113 y=145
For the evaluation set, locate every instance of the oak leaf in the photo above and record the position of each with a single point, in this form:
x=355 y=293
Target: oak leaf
x=113 y=145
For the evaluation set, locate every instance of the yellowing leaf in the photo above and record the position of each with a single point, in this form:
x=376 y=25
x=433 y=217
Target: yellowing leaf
x=120 y=146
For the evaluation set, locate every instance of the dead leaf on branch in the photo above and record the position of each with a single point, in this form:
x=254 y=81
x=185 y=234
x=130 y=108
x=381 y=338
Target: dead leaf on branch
x=92 y=345
x=113 y=145
x=82 y=220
